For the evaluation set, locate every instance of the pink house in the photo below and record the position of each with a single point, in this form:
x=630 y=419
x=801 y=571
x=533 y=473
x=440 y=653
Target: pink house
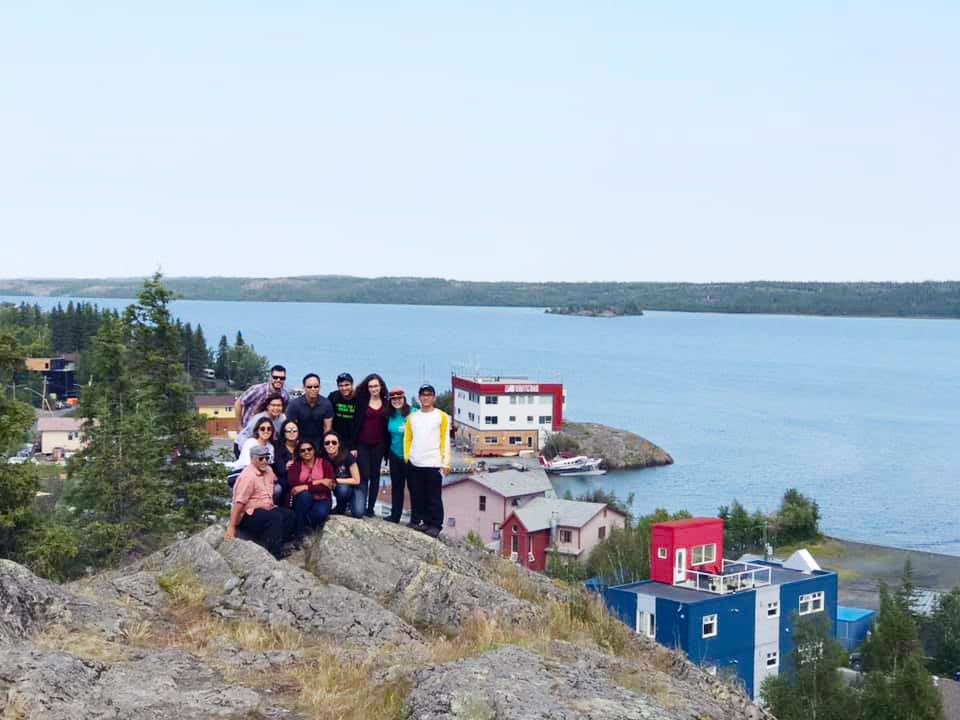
x=573 y=526
x=481 y=502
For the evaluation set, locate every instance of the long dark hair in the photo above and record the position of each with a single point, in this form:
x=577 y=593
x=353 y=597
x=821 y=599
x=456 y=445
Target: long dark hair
x=262 y=407
x=363 y=390
x=342 y=452
x=281 y=438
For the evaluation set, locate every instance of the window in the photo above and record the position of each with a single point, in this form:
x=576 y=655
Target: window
x=545 y=419
x=773 y=609
x=483 y=503
x=491 y=439
x=471 y=416
x=515 y=543
x=602 y=532
x=513 y=399
x=773 y=659
x=515 y=440
x=703 y=554
x=710 y=626
x=662 y=553
x=810 y=652
x=458 y=411
x=529 y=418
x=491 y=399
x=566 y=536
x=490 y=419
x=811 y=603
x=474 y=397
x=513 y=418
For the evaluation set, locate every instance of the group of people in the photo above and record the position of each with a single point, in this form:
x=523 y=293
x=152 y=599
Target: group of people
x=300 y=460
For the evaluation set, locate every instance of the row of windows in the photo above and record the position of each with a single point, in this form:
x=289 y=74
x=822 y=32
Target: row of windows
x=494 y=420
x=811 y=603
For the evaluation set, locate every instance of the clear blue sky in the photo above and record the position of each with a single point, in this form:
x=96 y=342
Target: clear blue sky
x=500 y=140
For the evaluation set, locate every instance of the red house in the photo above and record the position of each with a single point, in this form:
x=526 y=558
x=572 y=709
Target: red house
x=572 y=526
x=682 y=546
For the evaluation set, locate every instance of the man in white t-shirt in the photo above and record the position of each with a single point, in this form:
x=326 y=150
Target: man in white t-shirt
x=426 y=446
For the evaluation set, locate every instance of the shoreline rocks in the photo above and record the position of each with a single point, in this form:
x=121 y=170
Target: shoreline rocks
x=620 y=449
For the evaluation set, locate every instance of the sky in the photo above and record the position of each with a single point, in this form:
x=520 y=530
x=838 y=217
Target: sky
x=626 y=141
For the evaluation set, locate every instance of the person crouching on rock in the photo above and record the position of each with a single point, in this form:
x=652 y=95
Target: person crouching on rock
x=310 y=484
x=343 y=466
x=253 y=510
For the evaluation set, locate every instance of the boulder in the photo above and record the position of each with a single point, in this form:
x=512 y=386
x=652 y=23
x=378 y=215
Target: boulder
x=29 y=604
x=436 y=596
x=278 y=592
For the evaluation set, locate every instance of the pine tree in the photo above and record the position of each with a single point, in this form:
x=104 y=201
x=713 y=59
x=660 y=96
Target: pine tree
x=221 y=367
x=809 y=686
x=945 y=632
x=239 y=342
x=199 y=352
x=894 y=636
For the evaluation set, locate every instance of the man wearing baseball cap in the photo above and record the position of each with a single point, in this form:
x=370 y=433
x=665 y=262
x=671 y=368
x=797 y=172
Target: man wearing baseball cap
x=253 y=509
x=426 y=447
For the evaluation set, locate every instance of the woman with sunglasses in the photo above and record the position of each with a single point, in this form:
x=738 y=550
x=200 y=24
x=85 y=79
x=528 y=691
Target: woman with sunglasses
x=263 y=438
x=370 y=436
x=287 y=445
x=343 y=467
x=396 y=427
x=311 y=482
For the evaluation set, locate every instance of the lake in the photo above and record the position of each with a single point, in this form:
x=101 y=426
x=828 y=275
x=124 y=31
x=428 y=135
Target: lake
x=861 y=414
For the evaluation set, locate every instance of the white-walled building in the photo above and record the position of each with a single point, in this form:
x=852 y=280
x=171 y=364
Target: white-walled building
x=498 y=415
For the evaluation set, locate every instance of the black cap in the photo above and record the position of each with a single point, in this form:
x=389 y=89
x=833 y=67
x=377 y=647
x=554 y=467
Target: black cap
x=344 y=377
x=426 y=388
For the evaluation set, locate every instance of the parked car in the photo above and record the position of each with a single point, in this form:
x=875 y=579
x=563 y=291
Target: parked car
x=855 y=661
x=17 y=460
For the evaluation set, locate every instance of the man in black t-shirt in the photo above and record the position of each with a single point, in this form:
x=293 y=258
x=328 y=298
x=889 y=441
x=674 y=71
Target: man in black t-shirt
x=344 y=401
x=311 y=410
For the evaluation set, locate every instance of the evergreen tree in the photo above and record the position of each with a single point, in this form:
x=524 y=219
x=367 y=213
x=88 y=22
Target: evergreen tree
x=894 y=636
x=199 y=352
x=155 y=343
x=945 y=633
x=809 y=686
x=247 y=367
x=221 y=367
x=239 y=341
x=906 y=594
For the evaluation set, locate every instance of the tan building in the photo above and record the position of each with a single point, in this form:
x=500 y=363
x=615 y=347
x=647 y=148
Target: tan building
x=60 y=432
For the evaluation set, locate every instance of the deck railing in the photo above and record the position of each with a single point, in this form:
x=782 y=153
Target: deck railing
x=735 y=576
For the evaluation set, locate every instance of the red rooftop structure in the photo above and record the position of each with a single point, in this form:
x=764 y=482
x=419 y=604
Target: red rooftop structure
x=683 y=545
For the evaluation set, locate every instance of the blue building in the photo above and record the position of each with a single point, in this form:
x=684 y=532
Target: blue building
x=853 y=624
x=732 y=618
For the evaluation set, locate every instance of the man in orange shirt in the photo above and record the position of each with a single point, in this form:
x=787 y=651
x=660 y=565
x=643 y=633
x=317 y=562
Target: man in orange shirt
x=253 y=510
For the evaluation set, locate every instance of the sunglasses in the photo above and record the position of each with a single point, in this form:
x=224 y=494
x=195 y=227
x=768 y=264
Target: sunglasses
x=279 y=377
x=306 y=450
x=330 y=442
x=311 y=387
x=268 y=429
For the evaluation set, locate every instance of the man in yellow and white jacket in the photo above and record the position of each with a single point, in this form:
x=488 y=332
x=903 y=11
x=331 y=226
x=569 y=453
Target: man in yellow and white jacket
x=426 y=447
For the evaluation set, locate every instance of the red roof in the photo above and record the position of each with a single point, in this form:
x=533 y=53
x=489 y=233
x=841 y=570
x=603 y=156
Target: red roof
x=689 y=522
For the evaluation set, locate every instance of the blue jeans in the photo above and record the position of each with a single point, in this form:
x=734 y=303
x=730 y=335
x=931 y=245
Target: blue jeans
x=351 y=499
x=308 y=513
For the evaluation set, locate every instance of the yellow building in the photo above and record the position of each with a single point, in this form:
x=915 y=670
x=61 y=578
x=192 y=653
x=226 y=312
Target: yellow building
x=215 y=407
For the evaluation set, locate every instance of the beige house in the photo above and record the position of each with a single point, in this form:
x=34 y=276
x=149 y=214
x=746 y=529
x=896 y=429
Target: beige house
x=60 y=432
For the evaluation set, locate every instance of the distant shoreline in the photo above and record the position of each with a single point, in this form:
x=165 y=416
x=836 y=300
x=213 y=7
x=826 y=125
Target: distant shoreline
x=923 y=300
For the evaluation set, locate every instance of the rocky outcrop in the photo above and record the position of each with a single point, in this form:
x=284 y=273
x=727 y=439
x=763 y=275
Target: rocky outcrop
x=377 y=598
x=618 y=448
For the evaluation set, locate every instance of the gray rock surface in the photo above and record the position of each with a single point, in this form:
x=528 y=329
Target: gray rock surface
x=431 y=595
x=281 y=593
x=155 y=684
x=29 y=604
x=436 y=582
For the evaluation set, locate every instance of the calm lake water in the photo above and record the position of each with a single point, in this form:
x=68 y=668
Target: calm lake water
x=861 y=414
